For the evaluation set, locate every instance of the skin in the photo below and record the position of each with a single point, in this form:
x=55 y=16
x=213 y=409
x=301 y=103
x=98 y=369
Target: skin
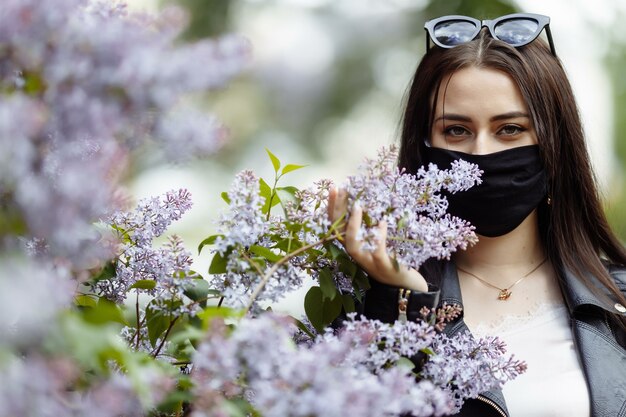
x=484 y=113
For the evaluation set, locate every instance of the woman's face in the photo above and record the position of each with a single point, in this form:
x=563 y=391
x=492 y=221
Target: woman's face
x=481 y=111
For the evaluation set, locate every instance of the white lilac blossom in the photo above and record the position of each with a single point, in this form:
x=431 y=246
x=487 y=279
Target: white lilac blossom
x=310 y=211
x=32 y=295
x=168 y=267
x=472 y=365
x=412 y=206
x=353 y=372
x=244 y=223
x=87 y=82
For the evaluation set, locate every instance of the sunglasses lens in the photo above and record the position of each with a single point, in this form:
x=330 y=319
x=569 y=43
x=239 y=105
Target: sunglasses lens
x=454 y=32
x=516 y=31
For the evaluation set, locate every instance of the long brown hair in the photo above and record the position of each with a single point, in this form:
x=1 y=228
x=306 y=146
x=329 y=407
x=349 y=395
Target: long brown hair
x=573 y=228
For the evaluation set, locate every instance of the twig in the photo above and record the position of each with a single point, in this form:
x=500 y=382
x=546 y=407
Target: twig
x=280 y=262
x=167 y=332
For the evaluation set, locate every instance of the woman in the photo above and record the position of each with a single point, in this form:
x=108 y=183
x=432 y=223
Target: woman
x=547 y=274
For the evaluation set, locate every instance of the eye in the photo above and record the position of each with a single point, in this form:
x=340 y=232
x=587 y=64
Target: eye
x=457 y=131
x=511 y=130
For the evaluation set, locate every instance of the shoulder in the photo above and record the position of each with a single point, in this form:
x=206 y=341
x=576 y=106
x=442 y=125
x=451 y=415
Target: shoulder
x=618 y=273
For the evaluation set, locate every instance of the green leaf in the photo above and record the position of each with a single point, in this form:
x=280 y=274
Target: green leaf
x=208 y=241
x=275 y=161
x=327 y=284
x=303 y=327
x=107 y=272
x=348 y=303
x=286 y=194
x=144 y=284
x=33 y=83
x=427 y=351
x=265 y=190
x=361 y=280
x=209 y=313
x=291 y=167
x=320 y=311
x=265 y=253
x=157 y=323
x=197 y=290
x=105 y=311
x=332 y=309
x=225 y=197
x=334 y=250
x=405 y=363
x=395 y=263
x=218 y=264
x=85 y=301
x=288 y=245
x=347 y=266
x=314 y=308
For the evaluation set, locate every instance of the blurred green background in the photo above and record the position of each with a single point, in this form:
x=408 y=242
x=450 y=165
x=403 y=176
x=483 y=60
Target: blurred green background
x=326 y=82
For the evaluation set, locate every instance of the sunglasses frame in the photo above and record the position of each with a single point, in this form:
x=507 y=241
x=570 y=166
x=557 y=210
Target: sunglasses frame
x=543 y=22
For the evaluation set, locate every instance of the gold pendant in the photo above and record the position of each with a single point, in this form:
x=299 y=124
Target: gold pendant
x=504 y=294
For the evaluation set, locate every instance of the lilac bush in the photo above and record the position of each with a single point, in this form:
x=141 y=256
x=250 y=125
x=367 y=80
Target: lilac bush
x=260 y=255
x=85 y=83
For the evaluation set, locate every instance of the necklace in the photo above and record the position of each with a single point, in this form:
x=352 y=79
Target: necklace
x=505 y=293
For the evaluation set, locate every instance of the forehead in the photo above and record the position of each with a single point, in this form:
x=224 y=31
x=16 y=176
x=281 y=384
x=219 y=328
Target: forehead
x=479 y=92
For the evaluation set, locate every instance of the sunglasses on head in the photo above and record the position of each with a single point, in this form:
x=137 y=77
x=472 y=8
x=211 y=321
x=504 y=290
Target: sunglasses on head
x=516 y=29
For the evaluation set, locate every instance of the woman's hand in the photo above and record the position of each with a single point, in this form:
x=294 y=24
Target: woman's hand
x=377 y=264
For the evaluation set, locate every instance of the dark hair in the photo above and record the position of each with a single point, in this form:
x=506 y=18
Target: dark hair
x=573 y=228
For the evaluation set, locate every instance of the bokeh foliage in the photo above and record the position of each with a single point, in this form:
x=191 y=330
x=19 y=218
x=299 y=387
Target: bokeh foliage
x=352 y=77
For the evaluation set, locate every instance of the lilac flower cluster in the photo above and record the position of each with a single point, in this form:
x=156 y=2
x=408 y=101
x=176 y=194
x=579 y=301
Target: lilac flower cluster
x=412 y=206
x=310 y=211
x=244 y=223
x=259 y=362
x=88 y=82
x=169 y=267
x=356 y=371
x=472 y=365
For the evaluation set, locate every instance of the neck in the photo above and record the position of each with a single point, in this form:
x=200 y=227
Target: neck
x=516 y=249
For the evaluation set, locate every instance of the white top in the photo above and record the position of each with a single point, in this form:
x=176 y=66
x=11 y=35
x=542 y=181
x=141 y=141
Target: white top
x=554 y=383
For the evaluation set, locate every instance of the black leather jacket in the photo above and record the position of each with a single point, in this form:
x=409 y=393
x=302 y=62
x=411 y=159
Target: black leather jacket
x=600 y=342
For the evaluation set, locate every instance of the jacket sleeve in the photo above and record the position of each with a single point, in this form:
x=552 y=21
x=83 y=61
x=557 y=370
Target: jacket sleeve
x=381 y=302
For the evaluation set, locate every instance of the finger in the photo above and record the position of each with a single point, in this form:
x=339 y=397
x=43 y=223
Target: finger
x=341 y=203
x=353 y=245
x=332 y=197
x=380 y=257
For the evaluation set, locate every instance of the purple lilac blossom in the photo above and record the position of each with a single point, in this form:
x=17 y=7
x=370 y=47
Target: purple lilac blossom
x=472 y=365
x=88 y=82
x=331 y=377
x=168 y=266
x=412 y=206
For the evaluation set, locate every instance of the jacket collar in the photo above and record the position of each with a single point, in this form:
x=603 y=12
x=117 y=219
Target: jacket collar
x=577 y=295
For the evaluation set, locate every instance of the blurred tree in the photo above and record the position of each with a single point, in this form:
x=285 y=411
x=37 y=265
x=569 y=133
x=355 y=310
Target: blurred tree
x=616 y=62
x=207 y=18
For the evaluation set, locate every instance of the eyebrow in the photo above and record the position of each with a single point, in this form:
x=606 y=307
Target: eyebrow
x=503 y=116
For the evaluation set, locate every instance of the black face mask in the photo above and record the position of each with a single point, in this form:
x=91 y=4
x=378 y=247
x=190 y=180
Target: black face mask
x=514 y=183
